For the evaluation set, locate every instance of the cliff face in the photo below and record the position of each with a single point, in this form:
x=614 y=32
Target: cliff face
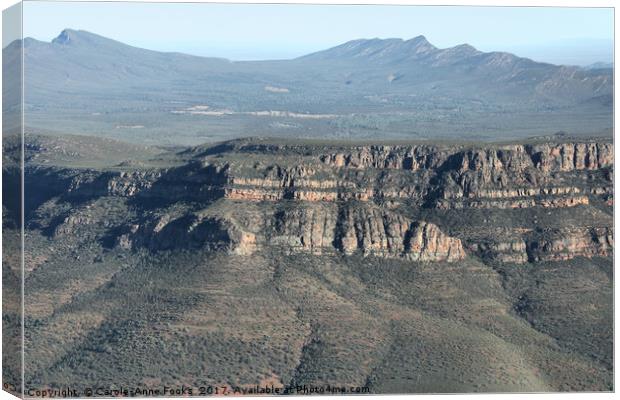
x=367 y=230
x=513 y=158
x=564 y=245
x=383 y=201
x=316 y=229
x=504 y=177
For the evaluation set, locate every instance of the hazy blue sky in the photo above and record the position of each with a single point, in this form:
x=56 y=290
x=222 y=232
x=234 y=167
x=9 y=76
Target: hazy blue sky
x=242 y=31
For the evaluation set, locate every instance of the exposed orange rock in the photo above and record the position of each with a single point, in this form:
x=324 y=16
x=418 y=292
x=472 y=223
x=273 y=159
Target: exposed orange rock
x=427 y=243
x=365 y=230
x=567 y=244
x=347 y=199
x=253 y=194
x=505 y=251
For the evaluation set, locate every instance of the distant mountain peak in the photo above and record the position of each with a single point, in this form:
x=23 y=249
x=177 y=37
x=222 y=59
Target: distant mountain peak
x=465 y=47
x=419 y=45
x=66 y=37
x=460 y=51
x=75 y=37
x=383 y=50
x=419 y=40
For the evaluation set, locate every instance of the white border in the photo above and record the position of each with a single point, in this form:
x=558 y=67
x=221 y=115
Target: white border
x=506 y=3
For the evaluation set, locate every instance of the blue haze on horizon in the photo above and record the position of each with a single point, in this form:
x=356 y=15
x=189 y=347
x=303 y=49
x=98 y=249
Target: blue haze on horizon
x=577 y=36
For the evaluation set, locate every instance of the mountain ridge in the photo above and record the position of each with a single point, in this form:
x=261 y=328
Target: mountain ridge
x=405 y=89
x=69 y=36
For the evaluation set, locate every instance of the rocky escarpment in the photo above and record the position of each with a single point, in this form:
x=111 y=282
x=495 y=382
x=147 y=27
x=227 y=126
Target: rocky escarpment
x=566 y=244
x=549 y=245
x=560 y=175
x=546 y=157
x=368 y=230
x=385 y=201
x=316 y=229
x=190 y=231
x=511 y=176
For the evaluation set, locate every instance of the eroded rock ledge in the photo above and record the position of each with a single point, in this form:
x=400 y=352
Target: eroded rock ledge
x=368 y=231
x=383 y=201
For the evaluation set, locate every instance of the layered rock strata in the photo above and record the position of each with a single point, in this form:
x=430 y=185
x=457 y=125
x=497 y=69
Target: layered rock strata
x=365 y=200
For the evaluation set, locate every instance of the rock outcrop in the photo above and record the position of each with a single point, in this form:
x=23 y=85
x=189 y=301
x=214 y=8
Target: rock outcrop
x=314 y=229
x=567 y=244
x=357 y=228
x=382 y=201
